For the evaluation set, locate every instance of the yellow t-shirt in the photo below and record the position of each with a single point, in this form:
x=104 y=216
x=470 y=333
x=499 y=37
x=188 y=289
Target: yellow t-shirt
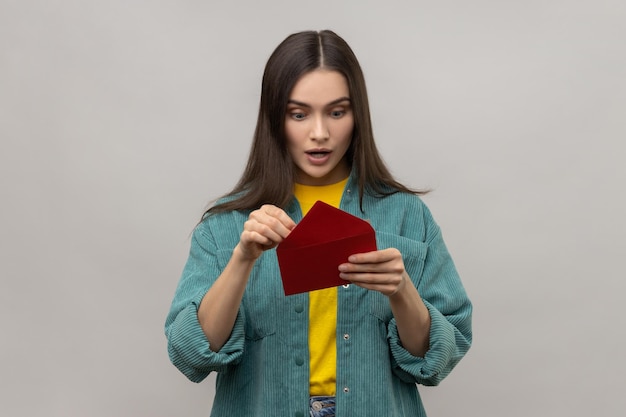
x=322 y=303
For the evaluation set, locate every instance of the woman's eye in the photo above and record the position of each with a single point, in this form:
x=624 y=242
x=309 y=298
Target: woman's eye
x=298 y=116
x=337 y=113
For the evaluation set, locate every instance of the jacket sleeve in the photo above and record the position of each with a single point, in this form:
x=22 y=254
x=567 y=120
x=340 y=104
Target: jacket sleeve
x=187 y=344
x=450 y=310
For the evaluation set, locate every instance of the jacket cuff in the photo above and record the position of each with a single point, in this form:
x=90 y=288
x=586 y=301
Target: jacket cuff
x=189 y=348
x=436 y=363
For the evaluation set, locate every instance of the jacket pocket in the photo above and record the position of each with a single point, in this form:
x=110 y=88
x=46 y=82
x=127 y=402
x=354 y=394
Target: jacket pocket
x=260 y=303
x=413 y=255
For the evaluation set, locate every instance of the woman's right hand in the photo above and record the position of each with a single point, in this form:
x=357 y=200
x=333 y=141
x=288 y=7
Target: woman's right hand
x=264 y=229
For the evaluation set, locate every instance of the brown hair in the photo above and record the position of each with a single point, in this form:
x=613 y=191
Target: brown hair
x=269 y=175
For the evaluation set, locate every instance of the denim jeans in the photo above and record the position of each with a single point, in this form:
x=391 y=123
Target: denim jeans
x=322 y=406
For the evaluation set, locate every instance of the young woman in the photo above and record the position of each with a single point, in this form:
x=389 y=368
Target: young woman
x=402 y=318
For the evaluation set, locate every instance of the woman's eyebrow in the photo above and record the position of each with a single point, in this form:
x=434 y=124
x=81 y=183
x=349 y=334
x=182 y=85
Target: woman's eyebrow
x=332 y=103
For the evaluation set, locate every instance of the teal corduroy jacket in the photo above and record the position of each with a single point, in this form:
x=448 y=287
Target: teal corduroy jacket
x=263 y=369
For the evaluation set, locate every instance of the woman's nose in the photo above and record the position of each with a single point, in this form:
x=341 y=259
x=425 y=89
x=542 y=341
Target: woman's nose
x=319 y=130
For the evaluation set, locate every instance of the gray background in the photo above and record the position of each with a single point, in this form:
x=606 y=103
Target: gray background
x=121 y=120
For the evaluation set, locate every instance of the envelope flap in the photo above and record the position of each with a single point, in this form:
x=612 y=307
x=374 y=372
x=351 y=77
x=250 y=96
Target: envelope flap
x=325 y=223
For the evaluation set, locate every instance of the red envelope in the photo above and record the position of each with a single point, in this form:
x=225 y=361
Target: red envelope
x=310 y=256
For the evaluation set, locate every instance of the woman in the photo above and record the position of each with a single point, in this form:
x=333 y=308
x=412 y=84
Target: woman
x=403 y=318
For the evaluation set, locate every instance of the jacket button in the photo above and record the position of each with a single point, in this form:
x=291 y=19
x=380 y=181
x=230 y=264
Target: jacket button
x=346 y=336
x=346 y=390
x=299 y=308
x=299 y=361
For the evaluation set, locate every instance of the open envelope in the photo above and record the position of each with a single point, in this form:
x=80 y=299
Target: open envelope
x=310 y=256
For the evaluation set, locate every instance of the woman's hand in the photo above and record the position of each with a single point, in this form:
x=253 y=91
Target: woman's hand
x=381 y=270
x=384 y=271
x=264 y=229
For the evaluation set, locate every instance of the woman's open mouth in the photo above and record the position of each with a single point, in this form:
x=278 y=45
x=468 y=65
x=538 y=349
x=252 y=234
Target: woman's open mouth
x=318 y=157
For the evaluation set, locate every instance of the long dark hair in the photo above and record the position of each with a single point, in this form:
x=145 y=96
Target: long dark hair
x=269 y=175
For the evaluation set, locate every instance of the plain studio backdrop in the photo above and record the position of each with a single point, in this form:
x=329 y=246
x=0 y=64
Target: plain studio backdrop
x=121 y=120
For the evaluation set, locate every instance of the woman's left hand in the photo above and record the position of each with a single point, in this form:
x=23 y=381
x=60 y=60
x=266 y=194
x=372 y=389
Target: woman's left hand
x=381 y=270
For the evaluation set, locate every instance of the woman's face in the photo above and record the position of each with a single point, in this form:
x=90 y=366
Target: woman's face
x=318 y=126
